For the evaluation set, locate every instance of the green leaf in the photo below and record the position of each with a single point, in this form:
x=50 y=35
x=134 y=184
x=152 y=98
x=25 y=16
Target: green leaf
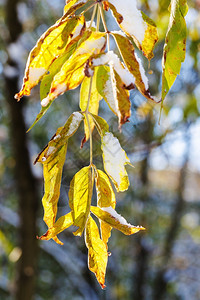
x=80 y=194
x=53 y=158
x=60 y=225
x=101 y=124
x=95 y=97
x=97 y=252
x=50 y=45
x=112 y=218
x=175 y=45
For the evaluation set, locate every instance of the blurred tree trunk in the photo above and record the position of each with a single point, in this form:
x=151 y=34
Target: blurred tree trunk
x=25 y=182
x=142 y=258
x=160 y=282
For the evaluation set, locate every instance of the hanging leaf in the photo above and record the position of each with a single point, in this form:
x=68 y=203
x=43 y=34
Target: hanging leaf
x=50 y=45
x=135 y=24
x=111 y=217
x=72 y=72
x=60 y=225
x=97 y=252
x=175 y=45
x=80 y=194
x=53 y=158
x=95 y=97
x=133 y=64
x=114 y=159
x=105 y=198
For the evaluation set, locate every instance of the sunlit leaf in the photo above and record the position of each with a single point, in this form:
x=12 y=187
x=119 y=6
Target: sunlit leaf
x=101 y=124
x=80 y=194
x=97 y=252
x=95 y=97
x=133 y=64
x=135 y=24
x=175 y=45
x=50 y=45
x=53 y=158
x=111 y=217
x=60 y=225
x=114 y=92
x=72 y=72
x=105 y=198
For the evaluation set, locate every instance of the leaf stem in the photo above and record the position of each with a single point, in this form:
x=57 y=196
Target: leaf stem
x=98 y=18
x=105 y=26
x=88 y=121
x=93 y=15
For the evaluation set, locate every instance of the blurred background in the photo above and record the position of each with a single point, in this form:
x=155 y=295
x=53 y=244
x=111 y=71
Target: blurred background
x=163 y=262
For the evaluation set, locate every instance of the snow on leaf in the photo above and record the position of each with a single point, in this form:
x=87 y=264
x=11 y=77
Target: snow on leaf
x=135 y=24
x=105 y=198
x=97 y=251
x=53 y=158
x=50 y=45
x=175 y=45
x=60 y=138
x=95 y=97
x=111 y=217
x=133 y=64
x=114 y=159
x=60 y=225
x=72 y=72
x=80 y=194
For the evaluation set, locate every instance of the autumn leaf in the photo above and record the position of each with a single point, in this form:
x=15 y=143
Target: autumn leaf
x=60 y=225
x=53 y=158
x=80 y=194
x=133 y=64
x=111 y=217
x=97 y=252
x=114 y=157
x=105 y=198
x=94 y=99
x=72 y=71
x=50 y=45
x=175 y=45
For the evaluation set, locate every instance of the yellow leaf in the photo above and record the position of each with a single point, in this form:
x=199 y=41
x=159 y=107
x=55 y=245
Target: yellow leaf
x=105 y=198
x=80 y=194
x=50 y=45
x=114 y=159
x=53 y=158
x=72 y=72
x=133 y=64
x=52 y=181
x=95 y=97
x=97 y=252
x=61 y=224
x=111 y=217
